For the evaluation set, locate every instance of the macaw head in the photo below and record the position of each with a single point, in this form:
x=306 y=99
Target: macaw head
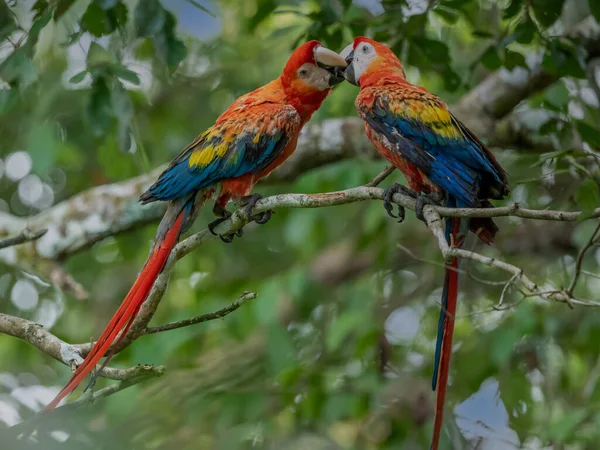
x=370 y=60
x=313 y=68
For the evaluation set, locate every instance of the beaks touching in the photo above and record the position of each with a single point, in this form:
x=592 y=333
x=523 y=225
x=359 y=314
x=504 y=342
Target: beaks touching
x=348 y=55
x=332 y=62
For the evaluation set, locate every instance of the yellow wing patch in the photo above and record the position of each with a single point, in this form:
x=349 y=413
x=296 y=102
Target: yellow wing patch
x=436 y=117
x=203 y=156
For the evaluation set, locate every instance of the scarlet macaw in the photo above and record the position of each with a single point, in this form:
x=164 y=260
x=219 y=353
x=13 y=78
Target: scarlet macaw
x=441 y=160
x=256 y=134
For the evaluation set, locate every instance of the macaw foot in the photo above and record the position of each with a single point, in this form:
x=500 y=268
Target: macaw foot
x=388 y=195
x=433 y=198
x=249 y=202
x=223 y=216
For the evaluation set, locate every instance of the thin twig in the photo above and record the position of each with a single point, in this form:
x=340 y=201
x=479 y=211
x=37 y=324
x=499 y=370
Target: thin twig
x=57 y=415
x=24 y=236
x=590 y=243
x=499 y=306
x=382 y=176
x=434 y=223
x=243 y=299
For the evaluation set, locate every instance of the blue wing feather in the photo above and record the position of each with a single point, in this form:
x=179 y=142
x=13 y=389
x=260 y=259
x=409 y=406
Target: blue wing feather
x=245 y=143
x=456 y=161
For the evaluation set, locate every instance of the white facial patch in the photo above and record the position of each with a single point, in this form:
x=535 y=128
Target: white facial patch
x=364 y=54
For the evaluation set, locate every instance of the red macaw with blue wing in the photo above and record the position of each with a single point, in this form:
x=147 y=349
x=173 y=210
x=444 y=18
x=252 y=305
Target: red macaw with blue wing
x=256 y=134
x=441 y=160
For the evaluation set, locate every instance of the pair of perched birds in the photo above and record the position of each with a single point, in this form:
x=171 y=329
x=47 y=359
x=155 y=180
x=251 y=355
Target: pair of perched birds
x=440 y=158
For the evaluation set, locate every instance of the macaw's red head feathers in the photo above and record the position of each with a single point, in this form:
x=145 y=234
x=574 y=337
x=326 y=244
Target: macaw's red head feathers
x=309 y=74
x=370 y=61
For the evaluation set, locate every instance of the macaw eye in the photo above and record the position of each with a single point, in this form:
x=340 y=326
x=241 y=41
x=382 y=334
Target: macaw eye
x=303 y=72
x=366 y=49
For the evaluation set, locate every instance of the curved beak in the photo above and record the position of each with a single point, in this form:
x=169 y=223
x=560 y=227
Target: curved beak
x=332 y=62
x=329 y=58
x=348 y=55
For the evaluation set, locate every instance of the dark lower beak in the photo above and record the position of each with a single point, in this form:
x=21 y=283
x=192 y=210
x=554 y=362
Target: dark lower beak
x=336 y=74
x=349 y=74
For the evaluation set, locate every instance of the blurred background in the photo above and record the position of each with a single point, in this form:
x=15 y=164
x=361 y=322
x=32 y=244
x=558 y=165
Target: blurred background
x=95 y=93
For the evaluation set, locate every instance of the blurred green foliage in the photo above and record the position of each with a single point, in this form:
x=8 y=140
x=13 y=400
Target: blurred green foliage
x=101 y=91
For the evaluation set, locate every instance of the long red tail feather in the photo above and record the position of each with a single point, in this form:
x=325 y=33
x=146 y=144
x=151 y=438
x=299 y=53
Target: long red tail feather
x=449 y=299
x=128 y=310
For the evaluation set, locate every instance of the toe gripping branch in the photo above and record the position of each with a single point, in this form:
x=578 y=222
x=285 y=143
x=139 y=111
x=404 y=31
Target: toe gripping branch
x=388 y=195
x=421 y=199
x=248 y=203
x=223 y=214
x=432 y=198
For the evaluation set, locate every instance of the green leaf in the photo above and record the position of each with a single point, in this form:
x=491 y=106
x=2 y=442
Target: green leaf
x=9 y=98
x=99 y=109
x=98 y=56
x=170 y=49
x=525 y=32
x=73 y=38
x=100 y=22
x=587 y=196
x=149 y=18
x=547 y=11
x=513 y=9
x=549 y=127
x=36 y=29
x=595 y=9
x=93 y=20
x=589 y=133
x=125 y=74
x=435 y=50
x=264 y=8
x=513 y=59
x=7 y=21
x=558 y=95
x=123 y=110
x=78 y=77
x=449 y=15
x=40 y=7
x=561 y=60
x=491 y=59
x=62 y=6
x=17 y=69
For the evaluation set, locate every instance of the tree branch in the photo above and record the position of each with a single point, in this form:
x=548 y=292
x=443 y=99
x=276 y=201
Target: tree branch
x=434 y=223
x=358 y=194
x=243 y=299
x=578 y=265
x=24 y=236
x=239 y=219
x=70 y=355
x=74 y=354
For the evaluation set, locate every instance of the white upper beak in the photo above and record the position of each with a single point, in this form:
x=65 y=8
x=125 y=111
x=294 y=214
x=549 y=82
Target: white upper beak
x=329 y=58
x=346 y=52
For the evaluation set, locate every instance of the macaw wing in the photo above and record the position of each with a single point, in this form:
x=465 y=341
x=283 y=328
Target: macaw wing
x=422 y=131
x=244 y=140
